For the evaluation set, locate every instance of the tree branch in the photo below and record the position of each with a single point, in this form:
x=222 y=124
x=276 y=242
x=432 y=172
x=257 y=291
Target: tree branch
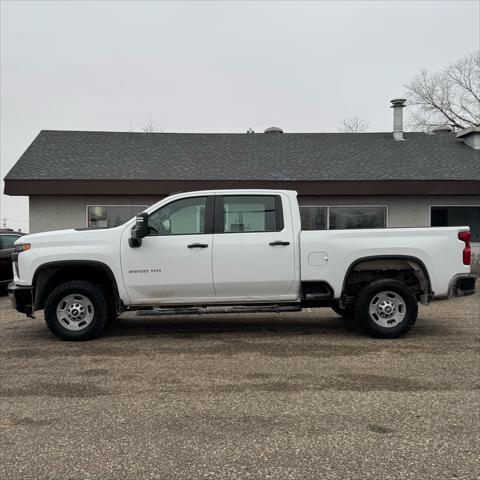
x=450 y=96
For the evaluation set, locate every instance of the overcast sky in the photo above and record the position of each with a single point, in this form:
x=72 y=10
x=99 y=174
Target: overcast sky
x=213 y=66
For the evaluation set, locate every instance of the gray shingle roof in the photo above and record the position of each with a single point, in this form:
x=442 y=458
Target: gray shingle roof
x=226 y=156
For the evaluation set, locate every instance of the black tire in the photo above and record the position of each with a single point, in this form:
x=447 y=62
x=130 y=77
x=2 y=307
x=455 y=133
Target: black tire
x=347 y=313
x=97 y=299
x=112 y=309
x=380 y=289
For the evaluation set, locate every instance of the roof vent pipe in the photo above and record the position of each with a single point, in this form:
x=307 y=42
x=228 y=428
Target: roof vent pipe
x=398 y=104
x=273 y=130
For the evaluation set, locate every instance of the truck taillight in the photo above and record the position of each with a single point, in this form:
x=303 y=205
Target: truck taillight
x=467 y=252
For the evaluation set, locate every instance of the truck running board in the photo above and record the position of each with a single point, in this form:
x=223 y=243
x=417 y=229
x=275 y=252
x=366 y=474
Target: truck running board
x=318 y=296
x=220 y=309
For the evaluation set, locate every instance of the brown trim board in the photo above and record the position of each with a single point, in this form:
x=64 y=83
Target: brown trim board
x=166 y=187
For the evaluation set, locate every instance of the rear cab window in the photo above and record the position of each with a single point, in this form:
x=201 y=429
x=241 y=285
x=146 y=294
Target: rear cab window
x=248 y=213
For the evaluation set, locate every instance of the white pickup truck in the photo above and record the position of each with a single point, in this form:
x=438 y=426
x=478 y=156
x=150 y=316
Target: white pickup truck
x=236 y=251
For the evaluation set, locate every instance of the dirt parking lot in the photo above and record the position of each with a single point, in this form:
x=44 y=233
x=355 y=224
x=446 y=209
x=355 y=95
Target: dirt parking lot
x=301 y=396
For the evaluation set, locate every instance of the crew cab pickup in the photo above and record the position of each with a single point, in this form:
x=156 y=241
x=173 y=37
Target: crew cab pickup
x=236 y=251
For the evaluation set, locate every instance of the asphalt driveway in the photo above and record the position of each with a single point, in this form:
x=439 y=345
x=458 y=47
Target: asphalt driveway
x=299 y=396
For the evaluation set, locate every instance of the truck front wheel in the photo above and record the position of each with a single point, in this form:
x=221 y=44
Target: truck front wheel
x=386 y=308
x=76 y=311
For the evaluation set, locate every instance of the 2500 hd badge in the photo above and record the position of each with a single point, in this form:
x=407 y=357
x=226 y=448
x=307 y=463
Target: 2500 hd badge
x=146 y=270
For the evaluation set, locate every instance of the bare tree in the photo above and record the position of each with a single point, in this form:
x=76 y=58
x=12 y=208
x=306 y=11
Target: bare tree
x=447 y=97
x=353 y=125
x=149 y=127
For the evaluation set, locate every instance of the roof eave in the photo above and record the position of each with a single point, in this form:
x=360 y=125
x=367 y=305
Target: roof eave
x=166 y=187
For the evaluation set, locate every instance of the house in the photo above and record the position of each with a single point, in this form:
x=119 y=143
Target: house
x=344 y=180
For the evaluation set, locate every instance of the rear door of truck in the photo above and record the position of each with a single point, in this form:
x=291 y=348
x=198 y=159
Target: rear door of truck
x=253 y=251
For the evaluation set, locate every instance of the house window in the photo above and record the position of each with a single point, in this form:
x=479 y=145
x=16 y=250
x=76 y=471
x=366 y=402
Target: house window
x=251 y=213
x=341 y=218
x=458 y=217
x=338 y=218
x=313 y=218
x=104 y=216
x=180 y=217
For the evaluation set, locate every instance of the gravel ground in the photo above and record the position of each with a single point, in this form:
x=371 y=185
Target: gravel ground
x=285 y=396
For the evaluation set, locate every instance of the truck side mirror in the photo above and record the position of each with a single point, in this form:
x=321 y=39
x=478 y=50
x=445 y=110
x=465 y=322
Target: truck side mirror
x=139 y=231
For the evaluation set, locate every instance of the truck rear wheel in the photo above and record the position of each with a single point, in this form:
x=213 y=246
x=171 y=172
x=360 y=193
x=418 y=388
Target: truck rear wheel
x=76 y=311
x=386 y=308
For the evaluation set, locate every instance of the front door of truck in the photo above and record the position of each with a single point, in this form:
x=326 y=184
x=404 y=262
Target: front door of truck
x=174 y=262
x=254 y=248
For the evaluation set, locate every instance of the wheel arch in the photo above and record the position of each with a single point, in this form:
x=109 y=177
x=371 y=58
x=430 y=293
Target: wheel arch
x=51 y=274
x=423 y=276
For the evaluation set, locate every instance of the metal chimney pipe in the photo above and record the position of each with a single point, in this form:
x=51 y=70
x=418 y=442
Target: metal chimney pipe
x=398 y=104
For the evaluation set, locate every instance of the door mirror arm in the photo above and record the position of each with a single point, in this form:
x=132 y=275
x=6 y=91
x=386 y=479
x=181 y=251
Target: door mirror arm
x=139 y=231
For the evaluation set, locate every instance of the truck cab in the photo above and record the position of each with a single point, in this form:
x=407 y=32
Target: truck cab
x=214 y=248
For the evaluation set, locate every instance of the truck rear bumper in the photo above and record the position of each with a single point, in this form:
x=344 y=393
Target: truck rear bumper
x=462 y=285
x=22 y=298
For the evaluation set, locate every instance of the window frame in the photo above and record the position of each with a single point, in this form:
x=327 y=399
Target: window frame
x=385 y=207
x=209 y=216
x=446 y=206
x=219 y=212
x=144 y=207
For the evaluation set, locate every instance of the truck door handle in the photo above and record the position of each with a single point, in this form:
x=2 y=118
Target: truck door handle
x=279 y=242
x=198 y=245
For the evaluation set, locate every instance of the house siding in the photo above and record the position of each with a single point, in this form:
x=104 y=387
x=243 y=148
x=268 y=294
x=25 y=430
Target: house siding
x=58 y=212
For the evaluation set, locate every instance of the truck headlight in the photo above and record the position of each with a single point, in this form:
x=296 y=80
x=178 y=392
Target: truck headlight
x=21 y=247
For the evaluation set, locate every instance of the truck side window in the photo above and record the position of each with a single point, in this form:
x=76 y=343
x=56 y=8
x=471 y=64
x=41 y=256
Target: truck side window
x=181 y=217
x=251 y=213
x=7 y=241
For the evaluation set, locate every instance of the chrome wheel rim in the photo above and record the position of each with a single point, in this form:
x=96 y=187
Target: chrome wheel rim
x=387 y=309
x=75 y=312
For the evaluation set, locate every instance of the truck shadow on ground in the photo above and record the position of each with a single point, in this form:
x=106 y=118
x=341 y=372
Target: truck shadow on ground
x=201 y=325
x=191 y=326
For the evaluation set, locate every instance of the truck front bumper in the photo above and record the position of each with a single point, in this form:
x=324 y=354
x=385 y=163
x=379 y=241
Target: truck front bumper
x=22 y=298
x=462 y=285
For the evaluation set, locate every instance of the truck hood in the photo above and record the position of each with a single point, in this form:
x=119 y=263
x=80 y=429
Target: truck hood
x=71 y=237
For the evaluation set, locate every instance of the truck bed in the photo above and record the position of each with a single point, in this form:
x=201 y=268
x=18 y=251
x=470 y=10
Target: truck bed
x=325 y=255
